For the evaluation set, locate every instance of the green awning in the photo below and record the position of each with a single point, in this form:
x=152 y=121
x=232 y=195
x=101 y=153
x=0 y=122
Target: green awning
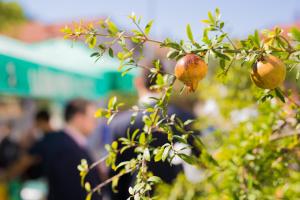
x=57 y=69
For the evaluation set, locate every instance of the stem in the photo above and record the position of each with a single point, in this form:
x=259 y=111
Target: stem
x=290 y=48
x=284 y=135
x=228 y=38
x=138 y=26
x=98 y=162
x=291 y=99
x=229 y=66
x=98 y=187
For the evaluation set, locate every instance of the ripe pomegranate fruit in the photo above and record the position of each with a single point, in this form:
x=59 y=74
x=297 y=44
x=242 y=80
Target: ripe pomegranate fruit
x=190 y=69
x=268 y=73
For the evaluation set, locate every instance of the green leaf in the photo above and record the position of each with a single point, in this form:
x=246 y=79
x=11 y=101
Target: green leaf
x=188 y=159
x=111 y=52
x=148 y=27
x=189 y=33
x=295 y=33
x=205 y=21
x=112 y=28
x=114 y=184
x=154 y=179
x=211 y=18
x=172 y=54
x=95 y=54
x=99 y=113
x=112 y=101
x=180 y=139
x=166 y=153
x=142 y=139
x=221 y=55
x=136 y=131
x=92 y=41
x=256 y=38
x=221 y=25
x=188 y=122
x=89 y=196
x=279 y=94
x=205 y=38
x=222 y=64
x=133 y=117
x=217 y=13
x=146 y=154
x=87 y=187
x=298 y=75
x=158 y=155
x=114 y=145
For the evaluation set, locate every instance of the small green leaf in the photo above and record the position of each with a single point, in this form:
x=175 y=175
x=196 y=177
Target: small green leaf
x=111 y=52
x=279 y=94
x=158 y=155
x=99 y=113
x=142 y=139
x=133 y=117
x=89 y=196
x=295 y=33
x=166 y=153
x=221 y=25
x=180 y=139
x=154 y=179
x=188 y=159
x=188 y=122
x=217 y=13
x=87 y=186
x=146 y=154
x=148 y=27
x=189 y=33
x=114 y=184
x=221 y=55
x=112 y=102
x=136 y=131
x=211 y=18
x=92 y=41
x=112 y=28
x=172 y=54
x=95 y=54
x=205 y=21
x=114 y=145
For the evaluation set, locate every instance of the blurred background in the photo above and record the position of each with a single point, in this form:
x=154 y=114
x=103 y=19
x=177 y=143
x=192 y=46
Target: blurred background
x=41 y=70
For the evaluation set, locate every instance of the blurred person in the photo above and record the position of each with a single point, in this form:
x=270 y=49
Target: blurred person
x=60 y=153
x=42 y=128
x=42 y=122
x=119 y=128
x=9 y=149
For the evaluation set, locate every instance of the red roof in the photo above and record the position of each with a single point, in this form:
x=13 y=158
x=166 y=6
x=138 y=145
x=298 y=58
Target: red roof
x=36 y=31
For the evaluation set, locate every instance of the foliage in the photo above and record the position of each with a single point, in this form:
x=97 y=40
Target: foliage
x=253 y=160
x=10 y=14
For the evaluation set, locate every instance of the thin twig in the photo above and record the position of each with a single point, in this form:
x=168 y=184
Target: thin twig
x=291 y=99
x=98 y=162
x=98 y=187
x=228 y=38
x=279 y=136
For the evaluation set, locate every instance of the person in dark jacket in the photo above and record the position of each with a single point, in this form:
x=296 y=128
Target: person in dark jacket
x=61 y=152
x=9 y=149
x=121 y=123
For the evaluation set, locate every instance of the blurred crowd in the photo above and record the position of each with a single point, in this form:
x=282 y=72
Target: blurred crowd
x=52 y=156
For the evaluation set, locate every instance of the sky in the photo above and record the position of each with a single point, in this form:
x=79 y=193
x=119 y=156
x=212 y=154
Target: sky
x=170 y=16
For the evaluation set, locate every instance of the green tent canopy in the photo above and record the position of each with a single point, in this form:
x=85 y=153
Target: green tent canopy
x=57 y=69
